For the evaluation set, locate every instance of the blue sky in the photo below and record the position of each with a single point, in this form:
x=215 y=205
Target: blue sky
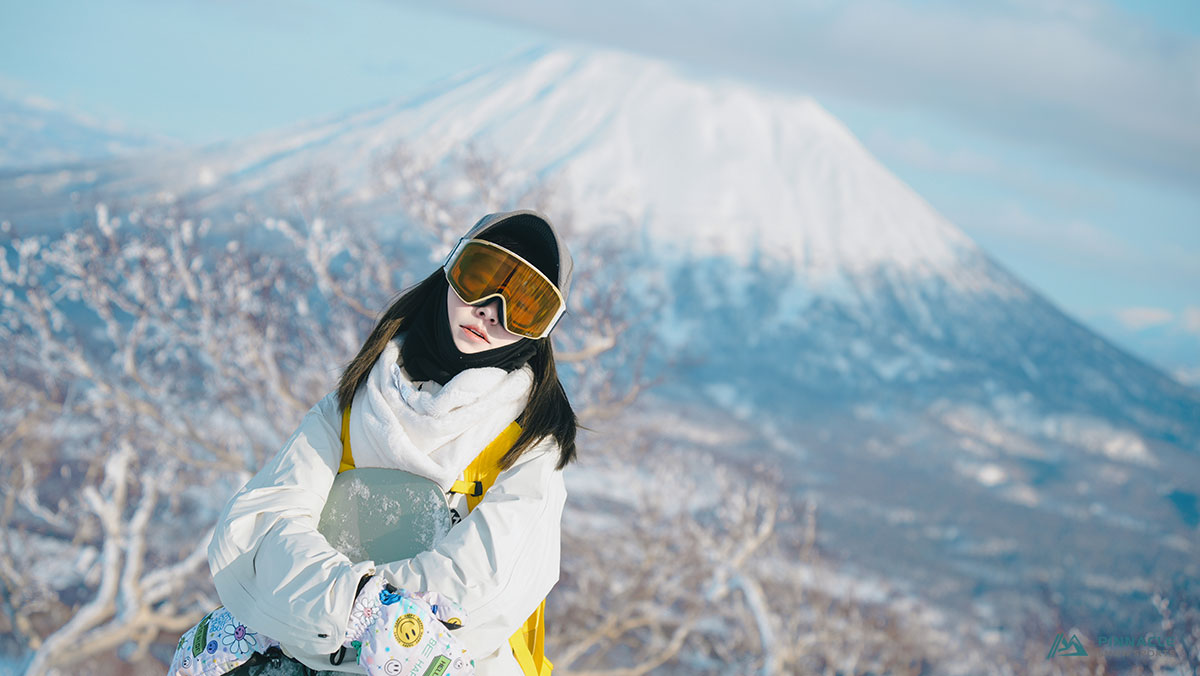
x=1061 y=135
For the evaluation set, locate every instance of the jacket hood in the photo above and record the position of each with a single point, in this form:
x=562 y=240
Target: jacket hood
x=531 y=222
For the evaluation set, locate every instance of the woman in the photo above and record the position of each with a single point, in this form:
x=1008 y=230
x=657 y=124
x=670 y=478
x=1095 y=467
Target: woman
x=449 y=367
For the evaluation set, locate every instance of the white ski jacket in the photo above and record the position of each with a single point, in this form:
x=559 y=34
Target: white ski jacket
x=279 y=576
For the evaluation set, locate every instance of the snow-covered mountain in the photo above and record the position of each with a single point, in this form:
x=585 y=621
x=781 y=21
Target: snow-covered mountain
x=713 y=170
x=35 y=132
x=718 y=163
x=961 y=431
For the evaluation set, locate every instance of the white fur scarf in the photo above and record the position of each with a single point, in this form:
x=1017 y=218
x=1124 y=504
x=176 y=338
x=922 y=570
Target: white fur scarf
x=436 y=433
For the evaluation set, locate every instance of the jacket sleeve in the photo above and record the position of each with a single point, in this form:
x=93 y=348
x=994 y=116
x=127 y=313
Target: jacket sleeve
x=501 y=561
x=271 y=567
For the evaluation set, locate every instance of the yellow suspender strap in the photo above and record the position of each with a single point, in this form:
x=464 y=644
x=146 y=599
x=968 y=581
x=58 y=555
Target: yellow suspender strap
x=471 y=488
x=529 y=642
x=347 y=456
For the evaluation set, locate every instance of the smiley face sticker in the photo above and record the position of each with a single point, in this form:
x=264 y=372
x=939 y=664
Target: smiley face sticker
x=408 y=630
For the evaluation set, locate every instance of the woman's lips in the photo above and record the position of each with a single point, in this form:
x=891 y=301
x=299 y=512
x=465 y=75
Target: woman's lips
x=475 y=334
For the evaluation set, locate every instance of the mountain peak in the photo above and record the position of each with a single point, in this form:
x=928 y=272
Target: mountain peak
x=719 y=165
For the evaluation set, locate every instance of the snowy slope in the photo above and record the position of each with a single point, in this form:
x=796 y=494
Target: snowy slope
x=35 y=132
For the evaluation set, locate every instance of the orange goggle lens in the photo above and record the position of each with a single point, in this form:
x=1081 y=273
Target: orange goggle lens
x=478 y=271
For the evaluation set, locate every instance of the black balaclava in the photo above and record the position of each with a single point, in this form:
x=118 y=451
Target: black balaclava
x=428 y=351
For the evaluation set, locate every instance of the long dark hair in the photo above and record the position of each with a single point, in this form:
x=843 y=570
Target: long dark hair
x=547 y=413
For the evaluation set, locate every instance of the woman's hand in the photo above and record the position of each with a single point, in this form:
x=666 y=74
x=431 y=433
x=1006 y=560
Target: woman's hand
x=394 y=632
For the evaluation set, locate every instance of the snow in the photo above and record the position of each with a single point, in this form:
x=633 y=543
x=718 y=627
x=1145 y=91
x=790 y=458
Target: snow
x=990 y=475
x=719 y=166
x=1022 y=494
x=1100 y=437
x=623 y=132
x=37 y=132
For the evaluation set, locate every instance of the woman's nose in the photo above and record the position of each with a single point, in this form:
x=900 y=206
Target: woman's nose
x=489 y=312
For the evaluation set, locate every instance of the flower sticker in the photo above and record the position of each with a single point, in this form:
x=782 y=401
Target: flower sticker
x=239 y=639
x=366 y=613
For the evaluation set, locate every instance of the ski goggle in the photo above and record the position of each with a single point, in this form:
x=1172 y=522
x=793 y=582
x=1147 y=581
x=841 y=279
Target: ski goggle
x=478 y=271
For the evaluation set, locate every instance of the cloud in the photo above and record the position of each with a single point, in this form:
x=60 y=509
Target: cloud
x=1008 y=229
x=916 y=152
x=1190 y=320
x=1079 y=76
x=1074 y=242
x=1189 y=376
x=1169 y=339
x=1138 y=318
